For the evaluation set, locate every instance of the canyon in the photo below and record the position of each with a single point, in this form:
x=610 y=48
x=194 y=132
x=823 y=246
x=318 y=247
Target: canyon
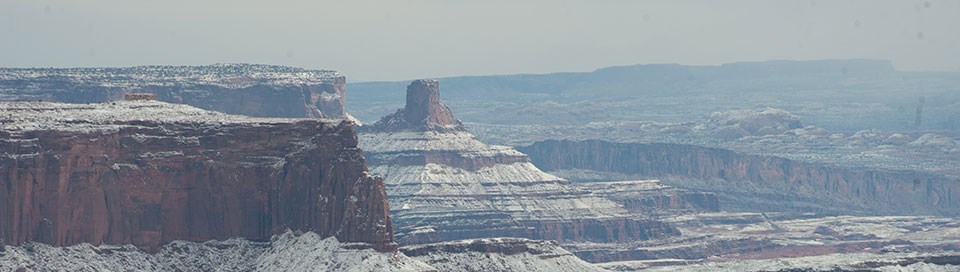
x=797 y=186
x=444 y=185
x=107 y=184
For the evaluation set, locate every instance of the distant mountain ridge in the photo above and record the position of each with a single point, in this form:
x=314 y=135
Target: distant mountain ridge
x=617 y=76
x=826 y=92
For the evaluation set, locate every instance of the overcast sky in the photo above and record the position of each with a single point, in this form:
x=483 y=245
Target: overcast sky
x=405 y=39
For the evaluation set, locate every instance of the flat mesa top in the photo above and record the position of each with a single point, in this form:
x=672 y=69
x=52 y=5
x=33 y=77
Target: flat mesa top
x=224 y=75
x=38 y=116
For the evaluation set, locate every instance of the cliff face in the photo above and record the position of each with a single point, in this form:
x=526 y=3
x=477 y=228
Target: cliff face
x=147 y=173
x=445 y=185
x=254 y=90
x=835 y=188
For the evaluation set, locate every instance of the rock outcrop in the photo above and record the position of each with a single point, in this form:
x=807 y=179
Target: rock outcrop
x=740 y=123
x=254 y=90
x=498 y=254
x=779 y=183
x=423 y=111
x=147 y=173
x=445 y=185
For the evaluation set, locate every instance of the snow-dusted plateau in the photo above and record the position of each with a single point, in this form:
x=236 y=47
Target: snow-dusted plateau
x=241 y=167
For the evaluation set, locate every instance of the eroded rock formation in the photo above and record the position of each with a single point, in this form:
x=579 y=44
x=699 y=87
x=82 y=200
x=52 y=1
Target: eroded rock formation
x=423 y=111
x=445 y=185
x=783 y=184
x=147 y=173
x=254 y=90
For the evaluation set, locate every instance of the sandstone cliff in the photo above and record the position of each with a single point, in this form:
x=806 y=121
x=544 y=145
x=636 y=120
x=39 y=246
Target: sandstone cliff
x=445 y=185
x=147 y=173
x=782 y=184
x=254 y=90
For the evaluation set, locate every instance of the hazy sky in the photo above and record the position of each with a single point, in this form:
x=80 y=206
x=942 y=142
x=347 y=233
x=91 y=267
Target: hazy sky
x=404 y=39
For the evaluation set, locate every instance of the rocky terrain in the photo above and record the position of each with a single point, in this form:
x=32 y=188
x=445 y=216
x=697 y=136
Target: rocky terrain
x=756 y=182
x=652 y=197
x=285 y=252
x=843 y=95
x=781 y=242
x=149 y=173
x=739 y=167
x=498 y=254
x=445 y=185
x=247 y=89
x=801 y=142
x=761 y=132
x=150 y=186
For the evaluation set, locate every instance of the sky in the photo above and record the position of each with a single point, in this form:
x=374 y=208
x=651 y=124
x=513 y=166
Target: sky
x=406 y=39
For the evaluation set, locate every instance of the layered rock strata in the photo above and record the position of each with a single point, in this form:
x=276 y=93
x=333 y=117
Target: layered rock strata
x=721 y=238
x=498 y=254
x=247 y=89
x=146 y=173
x=653 y=197
x=445 y=185
x=782 y=183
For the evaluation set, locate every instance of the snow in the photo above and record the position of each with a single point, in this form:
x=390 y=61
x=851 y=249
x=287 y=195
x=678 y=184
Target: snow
x=934 y=140
x=541 y=257
x=848 y=261
x=285 y=252
x=403 y=141
x=513 y=187
x=106 y=117
x=233 y=76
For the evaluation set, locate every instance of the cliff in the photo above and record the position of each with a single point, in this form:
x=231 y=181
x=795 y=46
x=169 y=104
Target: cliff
x=147 y=173
x=247 y=89
x=782 y=184
x=446 y=185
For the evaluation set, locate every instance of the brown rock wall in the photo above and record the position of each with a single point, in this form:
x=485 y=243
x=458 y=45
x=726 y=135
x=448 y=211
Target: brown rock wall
x=150 y=183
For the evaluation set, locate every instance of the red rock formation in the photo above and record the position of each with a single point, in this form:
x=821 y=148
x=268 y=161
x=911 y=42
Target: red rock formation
x=147 y=173
x=423 y=111
x=788 y=182
x=424 y=107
